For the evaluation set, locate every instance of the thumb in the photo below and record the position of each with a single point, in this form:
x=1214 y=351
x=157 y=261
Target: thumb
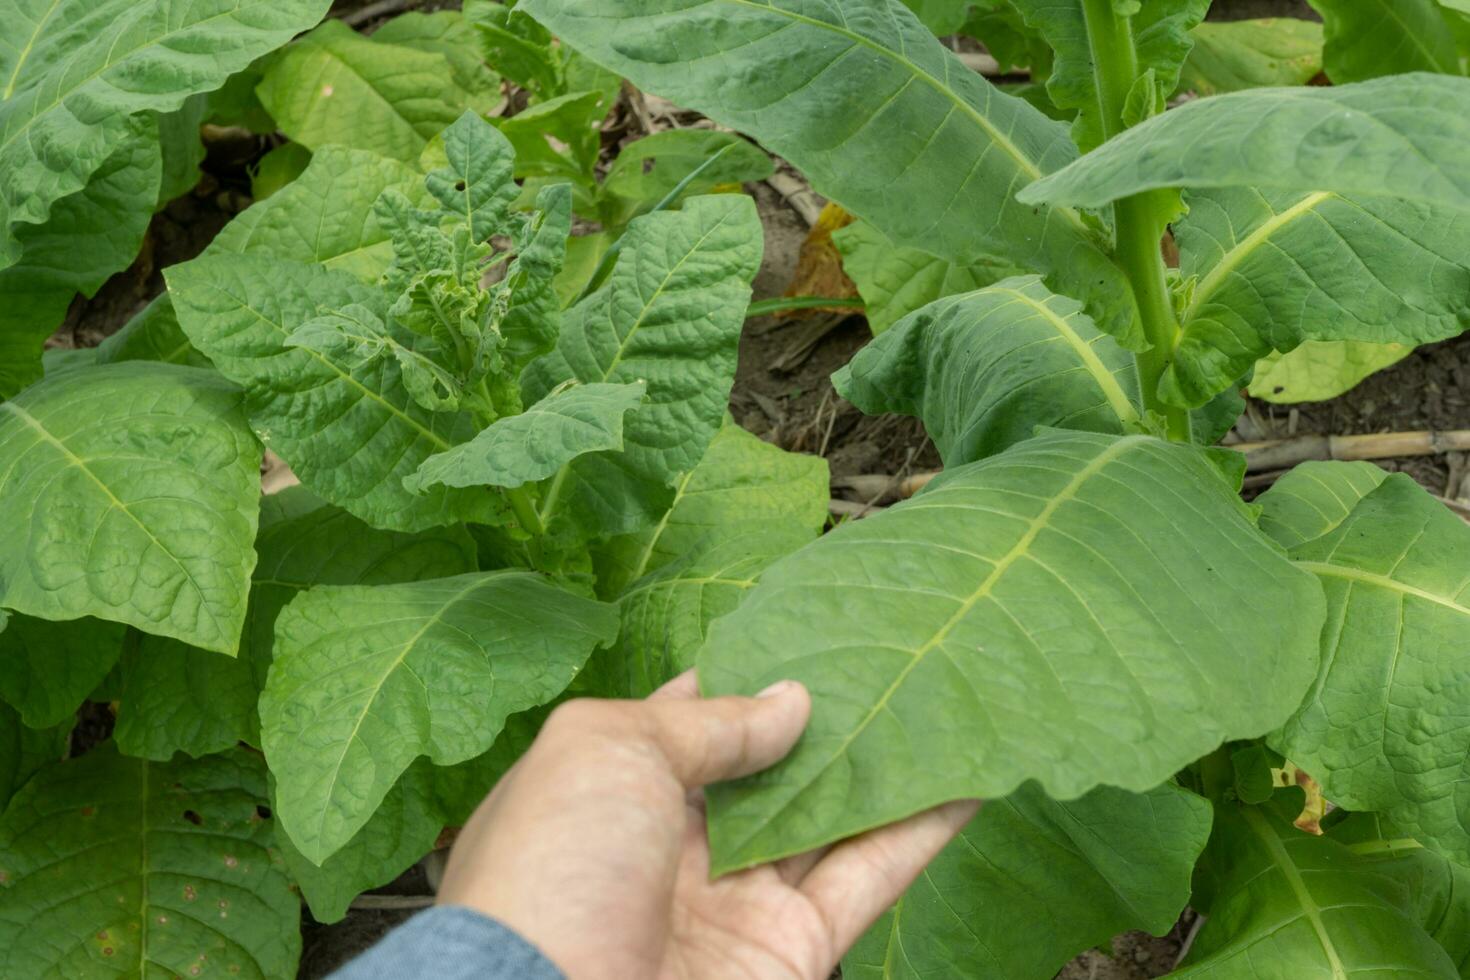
x=706 y=741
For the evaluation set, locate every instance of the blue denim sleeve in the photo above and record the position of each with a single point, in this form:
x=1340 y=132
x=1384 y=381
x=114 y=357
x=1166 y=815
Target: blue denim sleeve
x=451 y=943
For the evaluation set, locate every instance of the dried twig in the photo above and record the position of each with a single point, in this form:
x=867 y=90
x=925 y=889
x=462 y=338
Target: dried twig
x=1279 y=454
x=375 y=10
x=797 y=193
x=392 y=902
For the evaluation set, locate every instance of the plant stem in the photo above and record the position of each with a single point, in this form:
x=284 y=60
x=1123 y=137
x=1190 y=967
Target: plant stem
x=1140 y=220
x=783 y=303
x=525 y=511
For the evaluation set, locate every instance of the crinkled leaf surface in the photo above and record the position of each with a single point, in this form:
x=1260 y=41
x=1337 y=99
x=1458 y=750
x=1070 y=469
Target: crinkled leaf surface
x=1314 y=499
x=1230 y=56
x=89 y=235
x=24 y=751
x=1400 y=137
x=1369 y=38
x=117 y=866
x=1384 y=727
x=985 y=368
x=991 y=904
x=336 y=86
x=351 y=435
x=178 y=698
x=48 y=668
x=476 y=182
x=1160 y=32
x=670 y=315
x=73 y=75
x=1288 y=904
x=894 y=281
x=740 y=479
x=367 y=678
x=874 y=110
x=1320 y=370
x=1276 y=268
x=525 y=448
x=1080 y=610
x=131 y=491
x=666 y=615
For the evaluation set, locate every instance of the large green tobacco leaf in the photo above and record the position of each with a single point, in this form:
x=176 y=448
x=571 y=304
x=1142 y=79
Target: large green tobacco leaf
x=881 y=116
x=447 y=33
x=350 y=435
x=24 y=751
x=1401 y=137
x=740 y=479
x=74 y=74
x=367 y=678
x=89 y=235
x=1320 y=370
x=1233 y=55
x=47 y=669
x=1369 y=38
x=1274 y=269
x=177 y=698
x=476 y=181
x=1314 y=499
x=894 y=281
x=525 y=448
x=1287 y=904
x=984 y=369
x=1079 y=610
x=670 y=314
x=1160 y=34
x=648 y=170
x=1383 y=728
x=153 y=335
x=1031 y=882
x=131 y=494
x=117 y=866
x=666 y=615
x=336 y=86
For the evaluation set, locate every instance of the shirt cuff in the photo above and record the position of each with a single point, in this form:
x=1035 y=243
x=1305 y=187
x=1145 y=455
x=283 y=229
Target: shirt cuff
x=451 y=942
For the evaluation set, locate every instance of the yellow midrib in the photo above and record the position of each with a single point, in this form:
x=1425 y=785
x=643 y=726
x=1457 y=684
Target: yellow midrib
x=25 y=52
x=1383 y=582
x=1298 y=887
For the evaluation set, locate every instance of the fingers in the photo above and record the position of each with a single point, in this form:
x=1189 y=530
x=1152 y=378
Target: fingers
x=702 y=740
x=708 y=740
x=861 y=877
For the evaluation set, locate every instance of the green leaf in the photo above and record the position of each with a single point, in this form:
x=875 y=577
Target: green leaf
x=1288 y=904
x=1275 y=269
x=1315 y=498
x=367 y=678
x=76 y=73
x=943 y=17
x=1399 y=137
x=336 y=86
x=89 y=236
x=119 y=866
x=670 y=314
x=1160 y=33
x=557 y=138
x=182 y=148
x=879 y=115
x=477 y=183
x=1320 y=370
x=517 y=46
x=649 y=169
x=984 y=369
x=532 y=446
x=1369 y=38
x=1230 y=56
x=153 y=335
x=895 y=281
x=25 y=751
x=1032 y=882
x=1383 y=728
x=1039 y=602
x=350 y=435
x=533 y=321
x=326 y=215
x=137 y=486
x=177 y=698
x=50 y=668
x=447 y=33
x=740 y=479
x=277 y=169
x=666 y=615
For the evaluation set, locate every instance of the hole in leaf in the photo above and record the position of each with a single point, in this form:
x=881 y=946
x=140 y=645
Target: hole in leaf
x=263 y=812
x=193 y=817
x=648 y=165
x=459 y=186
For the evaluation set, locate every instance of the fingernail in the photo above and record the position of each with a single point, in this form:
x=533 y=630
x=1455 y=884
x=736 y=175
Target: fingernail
x=777 y=689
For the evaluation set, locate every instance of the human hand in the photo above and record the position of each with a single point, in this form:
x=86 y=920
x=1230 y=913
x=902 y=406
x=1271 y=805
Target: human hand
x=593 y=847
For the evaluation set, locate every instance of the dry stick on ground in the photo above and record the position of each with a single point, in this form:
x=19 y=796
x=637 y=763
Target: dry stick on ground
x=797 y=193
x=392 y=901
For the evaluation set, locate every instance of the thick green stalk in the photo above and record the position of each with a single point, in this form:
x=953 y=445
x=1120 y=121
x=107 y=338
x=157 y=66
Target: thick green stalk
x=1139 y=221
x=525 y=510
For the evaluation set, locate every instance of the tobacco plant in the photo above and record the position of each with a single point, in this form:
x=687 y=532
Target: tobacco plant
x=309 y=686
x=1080 y=620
